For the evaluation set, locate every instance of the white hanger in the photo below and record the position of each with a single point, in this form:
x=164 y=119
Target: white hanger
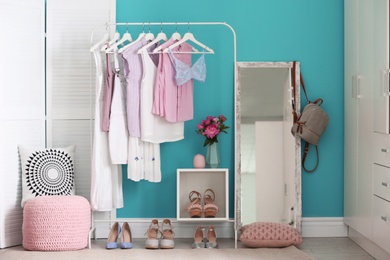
x=189 y=37
x=112 y=41
x=126 y=37
x=176 y=36
x=160 y=37
x=105 y=38
x=149 y=36
x=140 y=36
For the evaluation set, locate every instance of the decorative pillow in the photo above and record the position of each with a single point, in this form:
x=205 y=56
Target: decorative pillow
x=47 y=172
x=269 y=234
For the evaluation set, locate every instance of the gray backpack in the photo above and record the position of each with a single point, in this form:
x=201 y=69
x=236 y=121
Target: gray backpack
x=310 y=125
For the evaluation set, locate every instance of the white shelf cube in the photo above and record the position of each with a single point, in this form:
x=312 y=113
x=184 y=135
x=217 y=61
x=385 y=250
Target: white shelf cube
x=200 y=180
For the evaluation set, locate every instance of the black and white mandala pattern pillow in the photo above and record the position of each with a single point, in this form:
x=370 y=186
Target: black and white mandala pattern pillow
x=47 y=172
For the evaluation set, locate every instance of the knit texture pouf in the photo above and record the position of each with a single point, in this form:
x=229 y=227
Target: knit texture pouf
x=56 y=223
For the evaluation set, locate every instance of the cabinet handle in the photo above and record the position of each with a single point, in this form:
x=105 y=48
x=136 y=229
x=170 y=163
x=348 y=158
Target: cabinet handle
x=355 y=86
x=384 y=218
x=384 y=184
x=385 y=150
x=385 y=82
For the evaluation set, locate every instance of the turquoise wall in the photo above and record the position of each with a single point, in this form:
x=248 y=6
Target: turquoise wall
x=278 y=30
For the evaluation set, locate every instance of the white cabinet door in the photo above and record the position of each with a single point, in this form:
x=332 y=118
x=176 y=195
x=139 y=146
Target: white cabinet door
x=350 y=110
x=358 y=114
x=22 y=103
x=365 y=116
x=381 y=66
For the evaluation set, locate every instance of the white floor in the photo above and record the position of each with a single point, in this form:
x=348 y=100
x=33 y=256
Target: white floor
x=338 y=248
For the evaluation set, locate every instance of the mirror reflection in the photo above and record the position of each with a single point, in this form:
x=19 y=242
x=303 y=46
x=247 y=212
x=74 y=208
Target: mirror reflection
x=270 y=191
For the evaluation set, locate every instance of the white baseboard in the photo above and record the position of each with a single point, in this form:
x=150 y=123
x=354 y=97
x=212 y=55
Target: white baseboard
x=311 y=227
x=324 y=227
x=181 y=229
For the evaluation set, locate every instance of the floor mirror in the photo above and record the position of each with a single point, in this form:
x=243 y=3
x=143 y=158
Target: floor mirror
x=268 y=157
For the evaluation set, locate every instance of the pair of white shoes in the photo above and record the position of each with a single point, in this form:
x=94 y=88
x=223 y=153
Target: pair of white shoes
x=124 y=232
x=165 y=240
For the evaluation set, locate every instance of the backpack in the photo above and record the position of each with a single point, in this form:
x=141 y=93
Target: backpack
x=311 y=124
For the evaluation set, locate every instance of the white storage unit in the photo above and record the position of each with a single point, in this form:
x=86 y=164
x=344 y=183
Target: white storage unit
x=200 y=180
x=367 y=139
x=36 y=113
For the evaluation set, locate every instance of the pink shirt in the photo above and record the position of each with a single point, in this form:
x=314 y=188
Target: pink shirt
x=174 y=103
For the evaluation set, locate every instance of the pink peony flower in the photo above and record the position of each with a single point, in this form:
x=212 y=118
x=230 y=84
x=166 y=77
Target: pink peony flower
x=211 y=127
x=200 y=126
x=211 y=131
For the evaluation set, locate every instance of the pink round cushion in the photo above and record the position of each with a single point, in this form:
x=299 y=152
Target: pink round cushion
x=56 y=223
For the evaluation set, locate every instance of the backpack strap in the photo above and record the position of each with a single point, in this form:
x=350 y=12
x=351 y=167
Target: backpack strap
x=305 y=152
x=304 y=88
x=294 y=87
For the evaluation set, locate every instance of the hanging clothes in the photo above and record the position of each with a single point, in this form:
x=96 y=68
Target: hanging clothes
x=109 y=89
x=118 y=134
x=171 y=101
x=185 y=73
x=155 y=129
x=106 y=178
x=151 y=150
x=132 y=63
x=132 y=68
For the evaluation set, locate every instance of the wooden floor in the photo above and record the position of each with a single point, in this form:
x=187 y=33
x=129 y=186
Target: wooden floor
x=318 y=248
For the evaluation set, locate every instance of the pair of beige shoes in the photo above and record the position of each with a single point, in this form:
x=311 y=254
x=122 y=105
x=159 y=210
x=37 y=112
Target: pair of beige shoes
x=160 y=236
x=203 y=239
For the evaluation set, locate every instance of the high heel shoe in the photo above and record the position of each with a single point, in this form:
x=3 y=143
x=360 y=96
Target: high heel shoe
x=210 y=209
x=152 y=233
x=195 y=209
x=211 y=241
x=167 y=234
x=126 y=238
x=198 y=238
x=113 y=236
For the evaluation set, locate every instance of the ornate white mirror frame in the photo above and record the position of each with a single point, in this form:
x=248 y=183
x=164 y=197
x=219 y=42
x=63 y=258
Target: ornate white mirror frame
x=296 y=210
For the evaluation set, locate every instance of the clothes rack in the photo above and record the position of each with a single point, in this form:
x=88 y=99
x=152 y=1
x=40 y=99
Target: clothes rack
x=161 y=24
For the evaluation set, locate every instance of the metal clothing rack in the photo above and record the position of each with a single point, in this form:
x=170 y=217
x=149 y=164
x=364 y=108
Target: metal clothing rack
x=108 y=25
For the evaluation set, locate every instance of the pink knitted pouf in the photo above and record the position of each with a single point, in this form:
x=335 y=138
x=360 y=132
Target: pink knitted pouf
x=56 y=223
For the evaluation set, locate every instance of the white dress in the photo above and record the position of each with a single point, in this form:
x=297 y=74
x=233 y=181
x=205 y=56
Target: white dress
x=106 y=178
x=118 y=133
x=151 y=151
x=154 y=129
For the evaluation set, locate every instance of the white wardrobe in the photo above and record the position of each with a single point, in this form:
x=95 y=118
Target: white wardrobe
x=47 y=90
x=367 y=139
